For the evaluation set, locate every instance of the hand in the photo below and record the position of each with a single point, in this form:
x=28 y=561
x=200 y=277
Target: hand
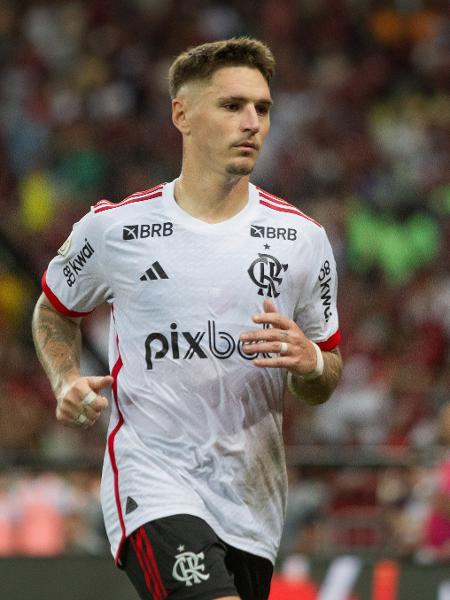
x=80 y=404
x=297 y=356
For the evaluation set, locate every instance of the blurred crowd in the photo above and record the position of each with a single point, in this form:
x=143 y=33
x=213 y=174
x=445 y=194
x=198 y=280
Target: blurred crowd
x=360 y=141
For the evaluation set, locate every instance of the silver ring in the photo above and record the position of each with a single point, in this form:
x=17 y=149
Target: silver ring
x=89 y=398
x=81 y=419
x=284 y=347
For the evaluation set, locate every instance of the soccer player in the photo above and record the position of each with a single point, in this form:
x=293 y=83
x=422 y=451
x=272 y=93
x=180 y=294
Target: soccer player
x=221 y=293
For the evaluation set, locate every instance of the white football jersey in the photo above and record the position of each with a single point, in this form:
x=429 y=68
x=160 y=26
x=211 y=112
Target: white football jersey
x=195 y=427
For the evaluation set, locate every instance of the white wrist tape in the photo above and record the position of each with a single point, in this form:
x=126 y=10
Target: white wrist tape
x=317 y=372
x=314 y=374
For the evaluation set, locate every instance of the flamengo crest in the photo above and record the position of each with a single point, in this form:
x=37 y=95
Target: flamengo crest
x=265 y=273
x=189 y=568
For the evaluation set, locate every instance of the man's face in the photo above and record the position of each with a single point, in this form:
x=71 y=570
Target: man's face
x=227 y=119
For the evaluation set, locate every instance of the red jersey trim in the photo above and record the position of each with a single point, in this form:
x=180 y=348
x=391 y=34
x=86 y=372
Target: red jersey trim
x=56 y=302
x=131 y=201
x=268 y=196
x=137 y=197
x=112 y=455
x=283 y=206
x=331 y=342
x=141 y=193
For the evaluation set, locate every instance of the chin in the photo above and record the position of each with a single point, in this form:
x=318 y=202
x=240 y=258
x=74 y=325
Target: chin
x=239 y=169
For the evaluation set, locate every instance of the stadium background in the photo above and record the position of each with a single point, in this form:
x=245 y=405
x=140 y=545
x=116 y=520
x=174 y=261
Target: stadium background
x=360 y=141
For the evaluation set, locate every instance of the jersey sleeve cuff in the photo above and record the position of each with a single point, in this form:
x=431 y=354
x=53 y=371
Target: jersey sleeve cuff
x=331 y=342
x=56 y=302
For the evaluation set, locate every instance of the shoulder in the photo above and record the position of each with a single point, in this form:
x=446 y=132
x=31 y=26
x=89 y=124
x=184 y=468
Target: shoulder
x=129 y=203
x=276 y=207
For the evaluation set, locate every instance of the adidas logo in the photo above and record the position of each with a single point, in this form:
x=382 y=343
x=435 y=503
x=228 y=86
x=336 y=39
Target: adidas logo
x=154 y=272
x=131 y=505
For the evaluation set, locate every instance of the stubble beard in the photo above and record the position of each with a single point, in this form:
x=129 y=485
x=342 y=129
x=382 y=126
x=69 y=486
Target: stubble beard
x=240 y=170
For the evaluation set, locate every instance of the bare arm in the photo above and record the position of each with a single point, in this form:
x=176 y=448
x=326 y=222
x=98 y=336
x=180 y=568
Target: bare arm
x=57 y=340
x=317 y=391
x=300 y=358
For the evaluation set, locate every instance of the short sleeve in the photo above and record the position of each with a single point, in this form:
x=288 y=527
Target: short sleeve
x=318 y=316
x=75 y=281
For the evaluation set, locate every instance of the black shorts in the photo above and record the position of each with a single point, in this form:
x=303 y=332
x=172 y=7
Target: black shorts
x=181 y=557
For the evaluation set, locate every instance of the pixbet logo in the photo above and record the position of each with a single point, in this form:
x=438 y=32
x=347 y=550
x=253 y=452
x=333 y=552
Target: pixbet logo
x=185 y=345
x=273 y=233
x=146 y=230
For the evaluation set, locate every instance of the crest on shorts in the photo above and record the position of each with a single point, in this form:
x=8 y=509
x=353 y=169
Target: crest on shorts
x=189 y=567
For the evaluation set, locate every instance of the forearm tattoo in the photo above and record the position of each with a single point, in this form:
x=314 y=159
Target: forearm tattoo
x=58 y=345
x=317 y=391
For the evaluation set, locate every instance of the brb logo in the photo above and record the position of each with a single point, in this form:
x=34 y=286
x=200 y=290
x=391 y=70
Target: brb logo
x=146 y=230
x=273 y=233
x=221 y=344
x=265 y=273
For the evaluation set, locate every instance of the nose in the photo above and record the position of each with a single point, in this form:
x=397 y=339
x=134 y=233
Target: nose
x=250 y=119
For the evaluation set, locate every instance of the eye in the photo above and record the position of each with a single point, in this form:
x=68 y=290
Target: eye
x=262 y=109
x=232 y=106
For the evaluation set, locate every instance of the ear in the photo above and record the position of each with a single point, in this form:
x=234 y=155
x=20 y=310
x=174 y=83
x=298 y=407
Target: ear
x=179 y=115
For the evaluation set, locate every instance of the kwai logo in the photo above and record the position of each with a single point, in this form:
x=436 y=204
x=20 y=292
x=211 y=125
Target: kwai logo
x=184 y=345
x=76 y=265
x=325 y=289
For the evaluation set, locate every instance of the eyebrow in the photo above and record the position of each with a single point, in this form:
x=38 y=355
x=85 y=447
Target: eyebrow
x=266 y=101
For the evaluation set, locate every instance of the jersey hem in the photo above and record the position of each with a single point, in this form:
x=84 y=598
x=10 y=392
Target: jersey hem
x=193 y=512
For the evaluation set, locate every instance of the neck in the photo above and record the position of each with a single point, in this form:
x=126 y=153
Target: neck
x=211 y=197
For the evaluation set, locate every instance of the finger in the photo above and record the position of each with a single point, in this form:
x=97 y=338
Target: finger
x=89 y=423
x=94 y=411
x=284 y=348
x=268 y=347
x=64 y=417
x=99 y=382
x=269 y=306
x=259 y=335
x=276 y=362
x=94 y=401
x=77 y=402
x=89 y=398
x=86 y=418
x=274 y=319
x=81 y=419
x=74 y=420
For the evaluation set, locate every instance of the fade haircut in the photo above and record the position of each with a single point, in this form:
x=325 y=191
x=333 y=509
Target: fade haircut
x=201 y=62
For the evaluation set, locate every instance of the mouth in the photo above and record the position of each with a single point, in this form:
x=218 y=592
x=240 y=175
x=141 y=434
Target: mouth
x=251 y=146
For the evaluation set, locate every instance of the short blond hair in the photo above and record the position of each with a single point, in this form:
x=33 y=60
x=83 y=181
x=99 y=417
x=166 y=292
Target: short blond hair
x=201 y=62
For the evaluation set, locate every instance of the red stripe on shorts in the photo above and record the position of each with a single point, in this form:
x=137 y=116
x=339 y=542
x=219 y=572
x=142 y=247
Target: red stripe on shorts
x=152 y=563
x=137 y=547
